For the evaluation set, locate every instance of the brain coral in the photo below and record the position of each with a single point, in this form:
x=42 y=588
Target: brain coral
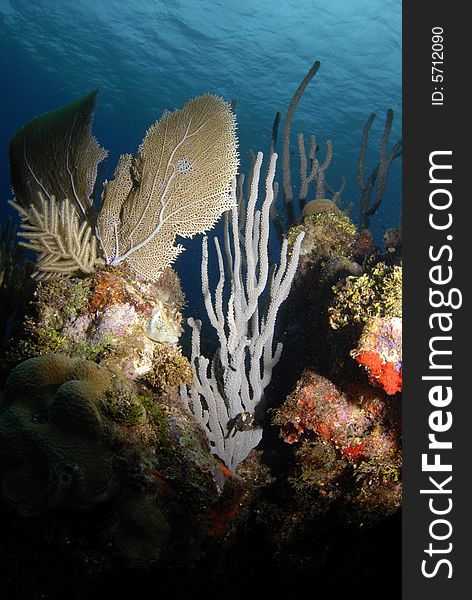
x=51 y=435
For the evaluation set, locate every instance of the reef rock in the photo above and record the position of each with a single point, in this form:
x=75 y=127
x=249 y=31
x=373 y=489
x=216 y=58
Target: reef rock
x=347 y=445
x=111 y=317
x=380 y=352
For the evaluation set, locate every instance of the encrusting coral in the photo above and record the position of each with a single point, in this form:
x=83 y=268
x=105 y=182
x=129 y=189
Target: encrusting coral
x=328 y=232
x=110 y=318
x=371 y=304
x=348 y=446
x=380 y=351
x=375 y=293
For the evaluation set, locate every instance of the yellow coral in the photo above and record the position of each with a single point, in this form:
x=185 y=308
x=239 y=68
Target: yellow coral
x=376 y=293
x=170 y=368
x=327 y=233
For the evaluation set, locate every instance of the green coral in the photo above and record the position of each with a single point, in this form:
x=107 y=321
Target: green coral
x=170 y=368
x=42 y=340
x=47 y=339
x=327 y=234
x=92 y=351
x=63 y=298
x=125 y=406
x=159 y=422
x=122 y=407
x=56 y=302
x=375 y=293
x=52 y=435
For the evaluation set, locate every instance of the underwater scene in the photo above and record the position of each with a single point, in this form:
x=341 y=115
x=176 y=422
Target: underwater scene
x=200 y=298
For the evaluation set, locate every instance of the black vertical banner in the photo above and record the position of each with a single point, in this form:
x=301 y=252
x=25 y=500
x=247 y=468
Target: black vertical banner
x=437 y=229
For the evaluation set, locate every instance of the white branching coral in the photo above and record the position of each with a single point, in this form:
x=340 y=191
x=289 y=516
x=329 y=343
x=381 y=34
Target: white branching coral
x=64 y=243
x=177 y=184
x=228 y=390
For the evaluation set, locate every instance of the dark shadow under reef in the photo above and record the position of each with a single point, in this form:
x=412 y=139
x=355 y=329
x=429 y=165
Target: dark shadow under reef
x=336 y=559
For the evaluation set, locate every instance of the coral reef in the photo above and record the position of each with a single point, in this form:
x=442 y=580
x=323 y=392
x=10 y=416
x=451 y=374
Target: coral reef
x=341 y=417
x=128 y=457
x=79 y=436
x=111 y=438
x=110 y=317
x=348 y=447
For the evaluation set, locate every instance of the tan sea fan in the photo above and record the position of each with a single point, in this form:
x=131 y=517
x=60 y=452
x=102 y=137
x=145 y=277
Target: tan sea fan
x=177 y=185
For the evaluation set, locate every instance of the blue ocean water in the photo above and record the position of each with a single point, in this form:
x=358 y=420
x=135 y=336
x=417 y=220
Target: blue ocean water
x=148 y=55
